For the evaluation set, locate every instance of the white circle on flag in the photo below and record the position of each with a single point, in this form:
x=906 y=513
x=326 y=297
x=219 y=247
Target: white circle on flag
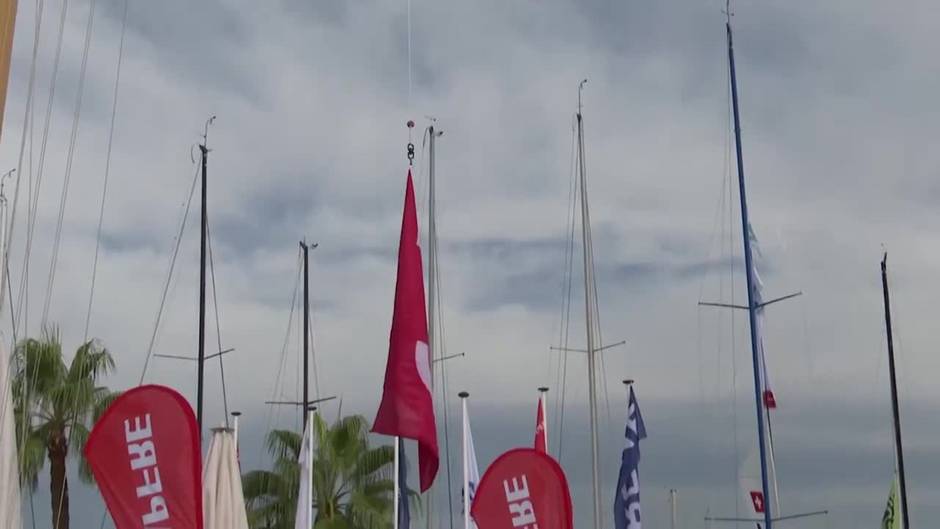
x=423 y=363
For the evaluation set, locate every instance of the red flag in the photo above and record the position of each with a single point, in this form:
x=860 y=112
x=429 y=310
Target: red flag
x=757 y=501
x=407 y=409
x=523 y=489
x=145 y=455
x=541 y=441
x=770 y=402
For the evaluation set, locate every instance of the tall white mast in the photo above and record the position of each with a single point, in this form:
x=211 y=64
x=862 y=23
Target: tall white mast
x=589 y=316
x=466 y=471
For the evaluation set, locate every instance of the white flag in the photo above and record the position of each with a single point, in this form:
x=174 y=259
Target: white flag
x=471 y=469
x=304 y=517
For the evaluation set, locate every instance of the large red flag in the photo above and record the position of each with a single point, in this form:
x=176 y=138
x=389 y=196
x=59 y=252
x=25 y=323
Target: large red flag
x=541 y=441
x=144 y=453
x=407 y=409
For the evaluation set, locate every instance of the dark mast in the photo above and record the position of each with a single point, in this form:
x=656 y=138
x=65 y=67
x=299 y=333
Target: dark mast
x=749 y=273
x=203 y=235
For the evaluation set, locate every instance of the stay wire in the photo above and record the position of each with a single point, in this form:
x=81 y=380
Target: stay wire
x=27 y=128
x=70 y=156
x=443 y=348
x=34 y=206
x=107 y=169
x=169 y=275
x=218 y=325
x=566 y=301
x=283 y=356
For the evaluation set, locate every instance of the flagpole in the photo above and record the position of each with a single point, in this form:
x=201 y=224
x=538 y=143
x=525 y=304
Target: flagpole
x=235 y=416
x=673 y=507
x=309 y=498
x=543 y=393
x=397 y=493
x=895 y=408
x=466 y=477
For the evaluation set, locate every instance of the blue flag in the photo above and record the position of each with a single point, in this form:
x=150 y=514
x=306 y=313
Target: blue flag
x=627 y=499
x=404 y=515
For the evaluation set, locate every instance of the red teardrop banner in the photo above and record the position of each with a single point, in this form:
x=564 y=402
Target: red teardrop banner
x=145 y=455
x=523 y=489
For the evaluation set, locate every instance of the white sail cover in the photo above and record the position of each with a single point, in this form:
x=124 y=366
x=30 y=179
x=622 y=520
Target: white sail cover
x=222 y=499
x=304 y=515
x=9 y=468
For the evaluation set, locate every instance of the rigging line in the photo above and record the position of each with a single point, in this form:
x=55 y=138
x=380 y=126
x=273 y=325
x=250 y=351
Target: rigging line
x=282 y=361
x=731 y=246
x=169 y=275
x=218 y=326
x=565 y=280
x=34 y=207
x=107 y=170
x=597 y=315
x=70 y=156
x=570 y=272
x=313 y=358
x=443 y=348
x=27 y=126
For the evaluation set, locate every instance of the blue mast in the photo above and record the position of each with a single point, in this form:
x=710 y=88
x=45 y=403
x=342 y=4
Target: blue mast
x=749 y=272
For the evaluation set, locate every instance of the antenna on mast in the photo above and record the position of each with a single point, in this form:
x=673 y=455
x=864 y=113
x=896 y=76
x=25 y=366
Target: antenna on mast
x=580 y=89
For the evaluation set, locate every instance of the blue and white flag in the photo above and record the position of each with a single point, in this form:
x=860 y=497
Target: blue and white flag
x=471 y=470
x=627 y=499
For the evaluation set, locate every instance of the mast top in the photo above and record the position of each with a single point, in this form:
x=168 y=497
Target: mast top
x=580 y=89
x=205 y=134
x=463 y=394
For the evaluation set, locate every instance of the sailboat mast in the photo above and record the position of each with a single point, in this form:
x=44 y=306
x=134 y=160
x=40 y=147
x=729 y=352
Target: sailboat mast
x=201 y=360
x=432 y=252
x=749 y=274
x=589 y=316
x=894 y=394
x=306 y=397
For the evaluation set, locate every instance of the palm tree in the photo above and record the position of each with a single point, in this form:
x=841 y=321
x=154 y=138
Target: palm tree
x=55 y=403
x=352 y=483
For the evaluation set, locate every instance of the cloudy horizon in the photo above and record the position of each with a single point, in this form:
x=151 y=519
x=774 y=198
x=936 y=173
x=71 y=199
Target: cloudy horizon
x=311 y=100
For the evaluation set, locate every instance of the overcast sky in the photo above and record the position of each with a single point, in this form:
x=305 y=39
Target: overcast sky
x=838 y=117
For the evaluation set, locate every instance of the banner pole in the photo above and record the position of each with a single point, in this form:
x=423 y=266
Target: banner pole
x=466 y=478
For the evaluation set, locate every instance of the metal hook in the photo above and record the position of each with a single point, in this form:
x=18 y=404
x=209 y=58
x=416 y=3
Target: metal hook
x=411 y=146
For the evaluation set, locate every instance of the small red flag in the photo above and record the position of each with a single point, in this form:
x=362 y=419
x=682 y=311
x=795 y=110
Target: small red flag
x=757 y=499
x=770 y=402
x=541 y=441
x=407 y=409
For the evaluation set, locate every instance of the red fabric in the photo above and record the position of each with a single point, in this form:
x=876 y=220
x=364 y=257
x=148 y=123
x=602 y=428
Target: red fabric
x=407 y=409
x=757 y=501
x=145 y=456
x=770 y=402
x=541 y=442
x=523 y=488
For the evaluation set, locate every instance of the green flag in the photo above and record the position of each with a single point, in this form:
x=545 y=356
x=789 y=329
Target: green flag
x=892 y=516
